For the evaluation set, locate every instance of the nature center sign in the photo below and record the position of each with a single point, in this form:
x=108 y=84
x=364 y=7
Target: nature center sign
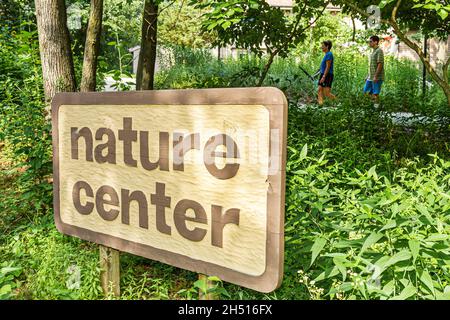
x=191 y=178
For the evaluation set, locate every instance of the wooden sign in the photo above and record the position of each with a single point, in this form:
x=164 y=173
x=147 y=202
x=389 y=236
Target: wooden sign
x=191 y=178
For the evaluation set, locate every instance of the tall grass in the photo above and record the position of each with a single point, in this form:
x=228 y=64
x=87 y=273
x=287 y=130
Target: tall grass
x=401 y=90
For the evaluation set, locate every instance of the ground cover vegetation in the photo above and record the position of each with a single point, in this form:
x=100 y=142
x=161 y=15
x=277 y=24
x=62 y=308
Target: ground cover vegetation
x=367 y=199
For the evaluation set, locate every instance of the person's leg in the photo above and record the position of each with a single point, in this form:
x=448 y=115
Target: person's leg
x=320 y=95
x=328 y=94
x=327 y=87
x=368 y=88
x=376 y=92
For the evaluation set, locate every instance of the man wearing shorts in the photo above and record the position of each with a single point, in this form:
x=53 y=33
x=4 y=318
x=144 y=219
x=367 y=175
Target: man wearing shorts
x=375 y=78
x=326 y=73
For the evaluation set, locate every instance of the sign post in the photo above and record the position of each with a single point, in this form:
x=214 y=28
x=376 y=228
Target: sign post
x=110 y=274
x=191 y=178
x=209 y=285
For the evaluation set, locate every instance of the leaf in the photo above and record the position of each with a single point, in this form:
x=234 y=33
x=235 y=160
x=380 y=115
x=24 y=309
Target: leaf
x=389 y=225
x=383 y=3
x=5 y=289
x=201 y=284
x=328 y=273
x=443 y=296
x=304 y=152
x=414 y=247
x=424 y=210
x=407 y=292
x=339 y=263
x=388 y=288
x=373 y=173
x=214 y=278
x=434 y=237
x=427 y=281
x=316 y=248
x=371 y=239
x=226 y=25
x=400 y=256
x=9 y=269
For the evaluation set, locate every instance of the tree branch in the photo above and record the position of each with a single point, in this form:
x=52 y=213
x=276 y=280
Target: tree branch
x=445 y=70
x=178 y=14
x=317 y=18
x=394 y=11
x=168 y=6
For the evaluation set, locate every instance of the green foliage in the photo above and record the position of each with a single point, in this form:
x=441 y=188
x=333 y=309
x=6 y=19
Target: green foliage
x=401 y=91
x=442 y=9
x=367 y=209
x=179 y=24
x=378 y=237
x=22 y=123
x=328 y=27
x=428 y=16
x=250 y=24
x=363 y=224
x=15 y=13
x=7 y=275
x=212 y=285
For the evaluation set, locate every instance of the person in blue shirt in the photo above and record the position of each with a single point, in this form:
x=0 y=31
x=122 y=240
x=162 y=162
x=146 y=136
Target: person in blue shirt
x=326 y=73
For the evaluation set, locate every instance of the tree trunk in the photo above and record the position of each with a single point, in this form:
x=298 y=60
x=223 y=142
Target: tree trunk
x=54 y=45
x=266 y=69
x=147 y=56
x=354 y=29
x=442 y=82
x=424 y=69
x=92 y=46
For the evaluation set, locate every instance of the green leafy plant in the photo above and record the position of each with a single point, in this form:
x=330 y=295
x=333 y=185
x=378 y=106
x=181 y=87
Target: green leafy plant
x=8 y=274
x=211 y=285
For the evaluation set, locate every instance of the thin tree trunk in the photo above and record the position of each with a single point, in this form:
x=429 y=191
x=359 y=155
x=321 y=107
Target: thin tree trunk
x=266 y=69
x=54 y=45
x=424 y=70
x=92 y=46
x=442 y=82
x=147 y=56
x=354 y=29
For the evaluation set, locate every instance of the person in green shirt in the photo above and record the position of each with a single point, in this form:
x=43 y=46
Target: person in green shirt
x=375 y=78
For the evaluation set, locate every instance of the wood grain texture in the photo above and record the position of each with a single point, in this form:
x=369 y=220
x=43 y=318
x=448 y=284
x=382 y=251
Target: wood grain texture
x=54 y=46
x=244 y=245
x=110 y=271
x=92 y=46
x=252 y=252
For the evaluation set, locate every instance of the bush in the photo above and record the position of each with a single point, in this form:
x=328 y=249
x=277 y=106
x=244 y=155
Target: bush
x=23 y=127
x=368 y=236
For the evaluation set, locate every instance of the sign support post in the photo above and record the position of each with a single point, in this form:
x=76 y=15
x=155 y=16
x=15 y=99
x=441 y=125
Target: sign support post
x=209 y=285
x=110 y=274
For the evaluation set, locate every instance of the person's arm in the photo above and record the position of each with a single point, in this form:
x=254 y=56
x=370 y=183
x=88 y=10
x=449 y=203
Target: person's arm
x=327 y=69
x=380 y=62
x=377 y=73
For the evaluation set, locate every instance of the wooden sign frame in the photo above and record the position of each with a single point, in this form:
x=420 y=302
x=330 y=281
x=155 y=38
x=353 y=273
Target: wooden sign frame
x=275 y=102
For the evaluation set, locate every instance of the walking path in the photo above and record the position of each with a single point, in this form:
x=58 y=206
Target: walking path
x=406 y=119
